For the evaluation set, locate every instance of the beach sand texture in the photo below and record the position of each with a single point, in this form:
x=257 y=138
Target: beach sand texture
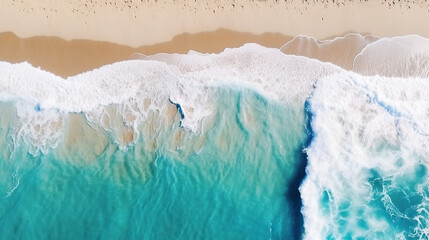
x=67 y=58
x=69 y=37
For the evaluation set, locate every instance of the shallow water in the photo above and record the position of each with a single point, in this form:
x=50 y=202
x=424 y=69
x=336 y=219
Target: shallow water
x=250 y=143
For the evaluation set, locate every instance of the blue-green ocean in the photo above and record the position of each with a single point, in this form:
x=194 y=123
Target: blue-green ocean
x=251 y=143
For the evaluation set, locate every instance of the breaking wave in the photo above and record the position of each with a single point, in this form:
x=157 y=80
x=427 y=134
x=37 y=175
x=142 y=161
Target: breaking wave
x=320 y=139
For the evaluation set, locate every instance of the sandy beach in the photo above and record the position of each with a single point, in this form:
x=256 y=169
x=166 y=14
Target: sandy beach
x=67 y=58
x=69 y=37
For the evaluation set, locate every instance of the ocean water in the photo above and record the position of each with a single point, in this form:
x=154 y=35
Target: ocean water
x=251 y=143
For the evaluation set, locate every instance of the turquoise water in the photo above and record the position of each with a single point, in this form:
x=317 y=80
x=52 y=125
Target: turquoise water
x=376 y=153
x=234 y=187
x=250 y=143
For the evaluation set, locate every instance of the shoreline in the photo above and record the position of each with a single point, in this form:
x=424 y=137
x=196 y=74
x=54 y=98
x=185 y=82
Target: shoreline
x=68 y=58
x=68 y=37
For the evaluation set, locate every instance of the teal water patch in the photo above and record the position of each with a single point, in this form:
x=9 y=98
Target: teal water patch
x=401 y=201
x=367 y=165
x=234 y=185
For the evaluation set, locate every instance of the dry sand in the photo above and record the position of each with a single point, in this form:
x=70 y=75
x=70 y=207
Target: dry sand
x=145 y=22
x=50 y=32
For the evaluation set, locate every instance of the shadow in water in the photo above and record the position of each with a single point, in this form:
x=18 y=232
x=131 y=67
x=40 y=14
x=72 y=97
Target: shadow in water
x=293 y=195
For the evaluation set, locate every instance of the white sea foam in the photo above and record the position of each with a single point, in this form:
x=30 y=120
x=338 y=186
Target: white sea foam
x=367 y=129
x=15 y=184
x=340 y=51
x=406 y=56
x=185 y=80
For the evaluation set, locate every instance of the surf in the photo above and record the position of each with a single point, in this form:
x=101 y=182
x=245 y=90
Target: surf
x=253 y=142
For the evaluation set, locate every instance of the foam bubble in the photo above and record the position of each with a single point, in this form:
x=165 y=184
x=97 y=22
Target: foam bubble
x=371 y=133
x=139 y=88
x=340 y=51
x=406 y=56
x=370 y=140
x=39 y=129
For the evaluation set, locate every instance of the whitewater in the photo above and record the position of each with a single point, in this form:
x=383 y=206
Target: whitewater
x=250 y=143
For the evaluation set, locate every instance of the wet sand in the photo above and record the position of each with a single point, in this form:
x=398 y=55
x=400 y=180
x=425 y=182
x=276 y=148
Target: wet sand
x=69 y=37
x=340 y=51
x=67 y=58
